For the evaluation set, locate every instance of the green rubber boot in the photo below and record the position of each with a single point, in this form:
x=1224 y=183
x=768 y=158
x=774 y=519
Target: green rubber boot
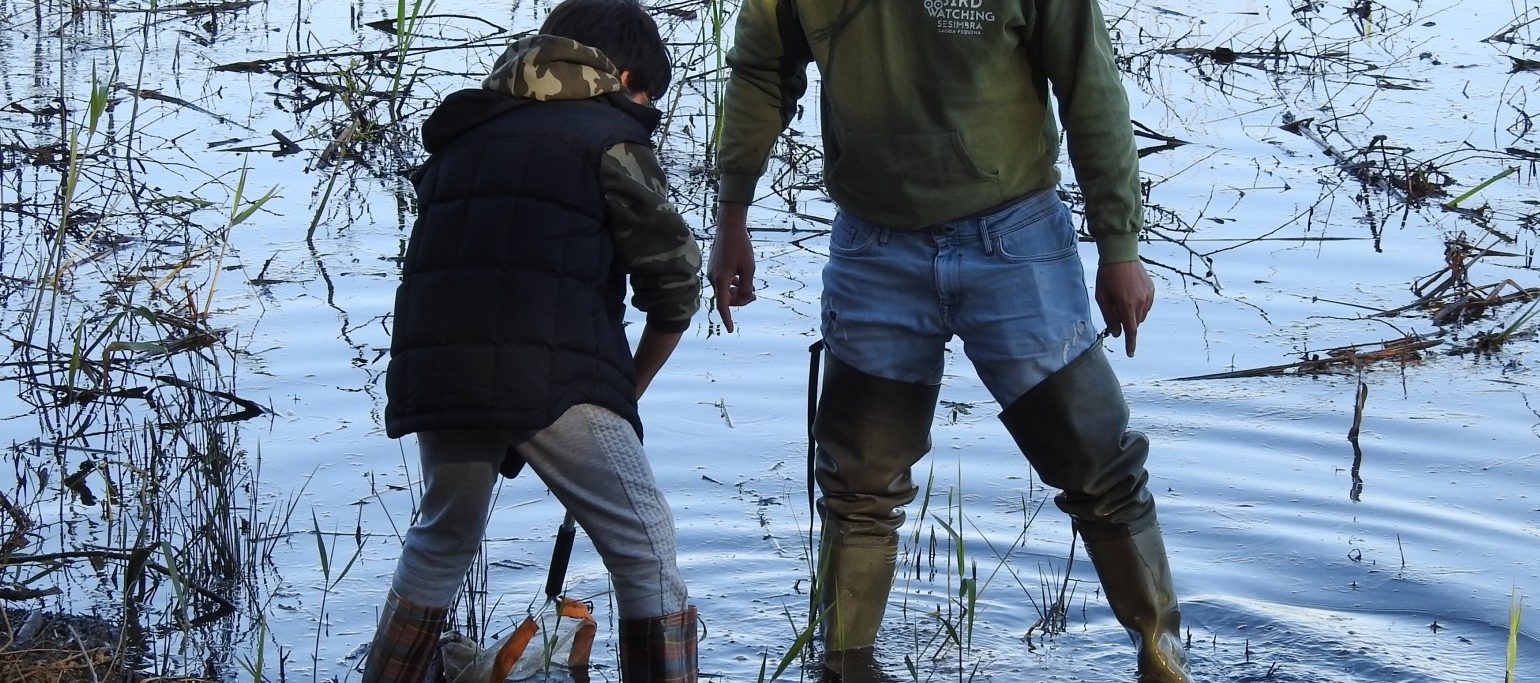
x=854 y=591
x=1073 y=428
x=1136 y=579
x=869 y=431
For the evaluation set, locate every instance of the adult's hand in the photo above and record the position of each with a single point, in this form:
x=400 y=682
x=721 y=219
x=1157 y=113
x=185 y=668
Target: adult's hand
x=1125 y=294
x=731 y=266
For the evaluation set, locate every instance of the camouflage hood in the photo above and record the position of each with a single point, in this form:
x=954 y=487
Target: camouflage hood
x=547 y=68
x=539 y=68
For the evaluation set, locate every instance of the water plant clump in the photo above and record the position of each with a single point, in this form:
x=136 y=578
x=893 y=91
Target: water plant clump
x=128 y=529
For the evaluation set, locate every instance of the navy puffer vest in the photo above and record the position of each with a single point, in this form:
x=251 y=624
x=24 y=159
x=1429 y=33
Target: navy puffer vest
x=510 y=306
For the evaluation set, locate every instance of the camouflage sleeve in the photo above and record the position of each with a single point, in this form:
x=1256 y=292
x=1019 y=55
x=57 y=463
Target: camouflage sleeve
x=651 y=240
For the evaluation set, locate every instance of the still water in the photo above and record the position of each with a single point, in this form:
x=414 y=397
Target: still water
x=1299 y=555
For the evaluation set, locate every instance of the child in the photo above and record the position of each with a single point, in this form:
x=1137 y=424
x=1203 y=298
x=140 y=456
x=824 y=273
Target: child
x=540 y=195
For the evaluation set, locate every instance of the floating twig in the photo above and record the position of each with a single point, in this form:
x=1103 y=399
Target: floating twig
x=152 y=94
x=18 y=593
x=1167 y=142
x=249 y=409
x=1401 y=350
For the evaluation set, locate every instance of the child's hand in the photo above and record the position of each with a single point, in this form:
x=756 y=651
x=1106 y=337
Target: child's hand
x=652 y=351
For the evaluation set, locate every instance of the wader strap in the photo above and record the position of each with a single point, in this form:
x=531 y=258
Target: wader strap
x=816 y=351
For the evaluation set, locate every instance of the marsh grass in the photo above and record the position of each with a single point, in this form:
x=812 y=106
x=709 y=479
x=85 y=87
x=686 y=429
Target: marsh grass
x=408 y=20
x=950 y=634
x=933 y=641
x=52 y=269
x=1453 y=203
x=802 y=639
x=716 y=14
x=1515 y=611
x=327 y=557
x=131 y=511
x=1519 y=321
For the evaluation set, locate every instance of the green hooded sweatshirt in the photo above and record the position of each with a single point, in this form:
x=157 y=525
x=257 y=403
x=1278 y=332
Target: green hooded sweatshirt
x=934 y=110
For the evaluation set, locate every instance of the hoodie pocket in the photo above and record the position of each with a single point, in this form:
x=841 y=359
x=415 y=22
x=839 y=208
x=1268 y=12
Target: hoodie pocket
x=888 y=176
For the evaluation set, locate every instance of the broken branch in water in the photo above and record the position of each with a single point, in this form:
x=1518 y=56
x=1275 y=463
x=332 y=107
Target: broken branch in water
x=1467 y=305
x=390 y=25
x=1403 y=350
x=1451 y=296
x=17 y=593
x=1411 y=181
x=1358 y=410
x=152 y=94
x=22 y=522
x=286 y=146
x=1520 y=64
x=249 y=409
x=1493 y=341
x=1167 y=142
x=1506 y=34
x=291 y=62
x=189 y=8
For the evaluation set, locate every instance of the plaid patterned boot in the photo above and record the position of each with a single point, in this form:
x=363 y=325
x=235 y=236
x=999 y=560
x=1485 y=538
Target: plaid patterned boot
x=405 y=647
x=658 y=649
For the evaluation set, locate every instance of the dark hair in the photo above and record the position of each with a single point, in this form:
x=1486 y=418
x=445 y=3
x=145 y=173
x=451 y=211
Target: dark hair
x=624 y=32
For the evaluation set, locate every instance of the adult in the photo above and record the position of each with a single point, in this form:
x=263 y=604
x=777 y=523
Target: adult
x=940 y=149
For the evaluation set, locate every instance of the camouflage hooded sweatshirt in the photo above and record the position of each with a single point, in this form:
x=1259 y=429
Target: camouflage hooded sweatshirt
x=937 y=109
x=652 y=242
x=540 y=198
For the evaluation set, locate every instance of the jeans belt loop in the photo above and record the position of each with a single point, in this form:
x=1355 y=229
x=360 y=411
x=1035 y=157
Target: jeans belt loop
x=986 y=238
x=882 y=236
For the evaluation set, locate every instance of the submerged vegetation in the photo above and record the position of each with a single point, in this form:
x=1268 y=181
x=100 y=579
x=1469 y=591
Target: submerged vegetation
x=144 y=141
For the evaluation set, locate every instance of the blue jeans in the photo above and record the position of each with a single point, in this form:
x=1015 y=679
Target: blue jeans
x=1008 y=283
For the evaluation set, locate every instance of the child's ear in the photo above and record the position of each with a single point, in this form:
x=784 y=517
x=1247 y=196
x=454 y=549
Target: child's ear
x=637 y=96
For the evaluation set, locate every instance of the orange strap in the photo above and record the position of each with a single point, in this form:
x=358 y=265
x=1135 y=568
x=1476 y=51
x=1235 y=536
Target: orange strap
x=583 y=640
x=512 y=650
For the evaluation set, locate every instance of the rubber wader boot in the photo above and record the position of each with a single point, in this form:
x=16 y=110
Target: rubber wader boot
x=869 y=431
x=1073 y=428
x=1137 y=581
x=659 y=649
x=405 y=646
x=853 y=594
x=855 y=666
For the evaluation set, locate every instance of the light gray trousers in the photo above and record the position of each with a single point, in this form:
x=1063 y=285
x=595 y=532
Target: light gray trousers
x=592 y=462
